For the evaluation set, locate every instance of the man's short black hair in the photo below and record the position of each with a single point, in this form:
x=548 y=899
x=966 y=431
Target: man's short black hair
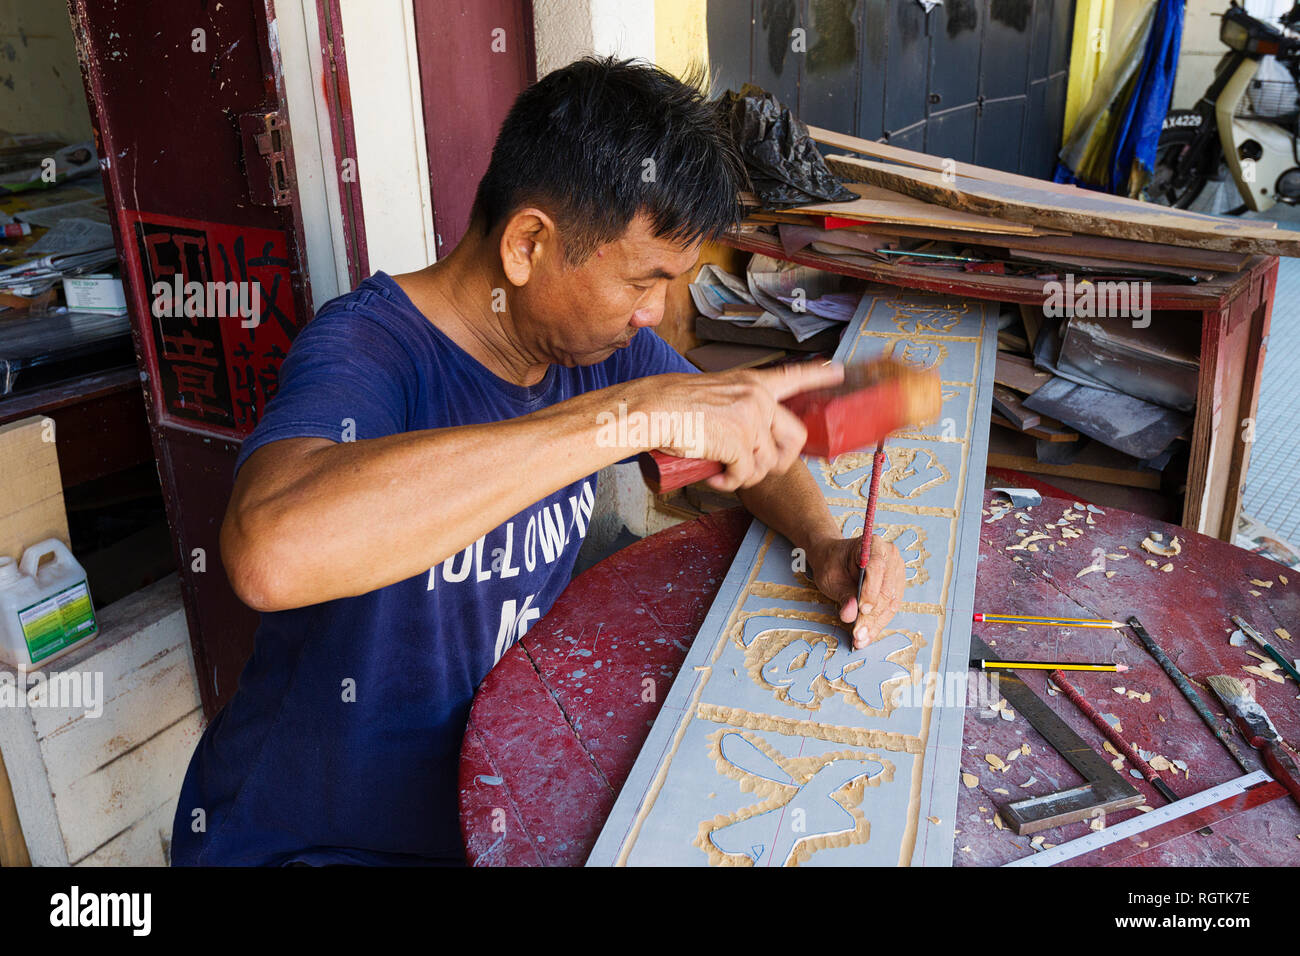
x=600 y=140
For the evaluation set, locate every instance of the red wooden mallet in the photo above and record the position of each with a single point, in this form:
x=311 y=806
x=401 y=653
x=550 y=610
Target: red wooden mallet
x=875 y=398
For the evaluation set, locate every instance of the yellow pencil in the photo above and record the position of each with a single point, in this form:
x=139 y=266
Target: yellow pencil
x=1045 y=666
x=1044 y=621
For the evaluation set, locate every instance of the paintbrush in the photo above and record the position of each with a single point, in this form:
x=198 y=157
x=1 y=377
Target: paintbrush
x=875 y=398
x=1253 y=722
x=1269 y=649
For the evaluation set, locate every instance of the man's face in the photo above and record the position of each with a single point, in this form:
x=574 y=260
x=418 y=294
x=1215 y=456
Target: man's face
x=582 y=315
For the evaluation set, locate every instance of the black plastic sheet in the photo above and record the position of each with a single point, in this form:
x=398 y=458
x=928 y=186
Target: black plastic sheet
x=784 y=166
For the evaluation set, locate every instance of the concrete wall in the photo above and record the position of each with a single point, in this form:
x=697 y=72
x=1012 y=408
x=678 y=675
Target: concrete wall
x=40 y=81
x=1201 y=48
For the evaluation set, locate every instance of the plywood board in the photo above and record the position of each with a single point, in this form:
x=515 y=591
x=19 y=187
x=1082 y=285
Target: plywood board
x=1088 y=212
x=31 y=492
x=778 y=744
x=877 y=204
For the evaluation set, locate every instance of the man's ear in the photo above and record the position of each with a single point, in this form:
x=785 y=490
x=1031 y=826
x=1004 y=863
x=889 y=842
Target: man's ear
x=529 y=236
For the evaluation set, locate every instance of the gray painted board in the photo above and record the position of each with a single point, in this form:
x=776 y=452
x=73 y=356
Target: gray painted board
x=779 y=745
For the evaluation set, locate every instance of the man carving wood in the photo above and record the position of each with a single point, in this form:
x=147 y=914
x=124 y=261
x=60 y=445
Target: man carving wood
x=415 y=496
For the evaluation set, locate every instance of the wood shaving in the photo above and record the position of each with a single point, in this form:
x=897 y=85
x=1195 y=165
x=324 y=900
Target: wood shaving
x=1168 y=567
x=1255 y=593
x=1025 y=541
x=995 y=762
x=1159 y=762
x=1037 y=842
x=997 y=822
x=1098 y=565
x=1111 y=574
x=1119 y=690
x=1138 y=695
x=1260 y=657
x=1013 y=755
x=1145 y=809
x=1117 y=557
x=1030 y=782
x=1008 y=714
x=933 y=819
x=1283 y=633
x=1005 y=793
x=1151 y=545
x=1152 y=564
x=1283 y=578
x=1261 y=584
x=1260 y=672
x=1118 y=763
x=1090 y=520
x=966 y=849
x=1109 y=747
x=1113 y=721
x=1024 y=749
x=970 y=780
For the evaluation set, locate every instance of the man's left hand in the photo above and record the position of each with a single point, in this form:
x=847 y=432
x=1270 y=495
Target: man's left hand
x=835 y=570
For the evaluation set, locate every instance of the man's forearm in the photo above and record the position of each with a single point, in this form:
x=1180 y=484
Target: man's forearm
x=343 y=519
x=793 y=505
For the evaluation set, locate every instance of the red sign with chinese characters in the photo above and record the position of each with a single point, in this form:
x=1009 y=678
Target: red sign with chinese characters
x=214 y=365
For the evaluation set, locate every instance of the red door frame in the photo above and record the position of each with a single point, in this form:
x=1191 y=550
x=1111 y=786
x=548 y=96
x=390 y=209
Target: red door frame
x=175 y=90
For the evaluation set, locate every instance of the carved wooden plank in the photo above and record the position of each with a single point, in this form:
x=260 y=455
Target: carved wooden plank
x=778 y=744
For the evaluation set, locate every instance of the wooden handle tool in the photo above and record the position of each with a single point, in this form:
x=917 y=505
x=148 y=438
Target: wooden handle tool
x=875 y=398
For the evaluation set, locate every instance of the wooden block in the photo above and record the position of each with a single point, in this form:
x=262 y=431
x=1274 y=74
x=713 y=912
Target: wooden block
x=1031 y=317
x=31 y=491
x=1007 y=403
x=1019 y=373
x=1056 y=432
x=720 y=356
x=717 y=330
x=1010 y=342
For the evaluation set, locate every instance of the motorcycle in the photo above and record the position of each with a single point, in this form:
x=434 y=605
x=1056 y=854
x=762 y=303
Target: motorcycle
x=1243 y=128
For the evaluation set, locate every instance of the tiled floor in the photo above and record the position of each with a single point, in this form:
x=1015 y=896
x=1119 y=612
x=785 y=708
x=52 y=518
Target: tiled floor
x=1272 y=494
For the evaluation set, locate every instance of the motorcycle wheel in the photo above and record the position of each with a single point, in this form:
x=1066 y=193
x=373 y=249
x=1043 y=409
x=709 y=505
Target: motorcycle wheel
x=1167 y=186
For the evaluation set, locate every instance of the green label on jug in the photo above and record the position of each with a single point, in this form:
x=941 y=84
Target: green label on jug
x=58 y=621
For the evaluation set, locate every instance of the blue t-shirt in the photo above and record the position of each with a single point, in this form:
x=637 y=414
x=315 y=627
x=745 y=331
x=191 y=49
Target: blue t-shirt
x=342 y=740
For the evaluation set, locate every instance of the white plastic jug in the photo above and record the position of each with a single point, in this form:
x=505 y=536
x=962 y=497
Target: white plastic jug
x=45 y=610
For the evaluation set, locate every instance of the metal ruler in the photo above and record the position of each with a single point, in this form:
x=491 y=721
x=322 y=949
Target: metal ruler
x=1103 y=791
x=1141 y=833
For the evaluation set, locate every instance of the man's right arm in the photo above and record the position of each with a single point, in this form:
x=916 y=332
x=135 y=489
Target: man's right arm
x=311 y=520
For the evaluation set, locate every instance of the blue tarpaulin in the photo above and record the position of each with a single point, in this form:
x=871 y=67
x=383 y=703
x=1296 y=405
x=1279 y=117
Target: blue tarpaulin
x=1135 y=145
x=1118 y=154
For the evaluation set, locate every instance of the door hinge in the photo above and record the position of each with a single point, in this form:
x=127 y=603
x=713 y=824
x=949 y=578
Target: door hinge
x=270 y=178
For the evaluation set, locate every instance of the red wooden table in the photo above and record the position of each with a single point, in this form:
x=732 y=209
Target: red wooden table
x=557 y=725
